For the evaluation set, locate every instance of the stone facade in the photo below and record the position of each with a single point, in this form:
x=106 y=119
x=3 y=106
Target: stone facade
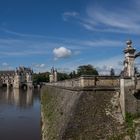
x=21 y=77
x=53 y=75
x=7 y=78
x=130 y=83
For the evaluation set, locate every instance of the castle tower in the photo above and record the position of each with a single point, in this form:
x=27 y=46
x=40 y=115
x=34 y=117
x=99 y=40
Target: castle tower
x=51 y=76
x=55 y=75
x=129 y=52
x=16 y=83
x=29 y=80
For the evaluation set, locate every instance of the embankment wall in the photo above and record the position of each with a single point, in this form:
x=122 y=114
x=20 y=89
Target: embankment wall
x=80 y=115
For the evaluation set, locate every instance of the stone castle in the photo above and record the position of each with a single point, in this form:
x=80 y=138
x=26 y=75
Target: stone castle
x=20 y=78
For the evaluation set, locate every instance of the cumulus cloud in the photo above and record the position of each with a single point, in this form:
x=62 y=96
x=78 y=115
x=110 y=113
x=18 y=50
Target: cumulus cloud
x=61 y=52
x=105 y=65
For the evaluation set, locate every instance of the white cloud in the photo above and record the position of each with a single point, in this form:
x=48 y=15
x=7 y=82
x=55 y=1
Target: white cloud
x=61 y=52
x=103 y=43
x=5 y=64
x=119 y=20
x=22 y=53
x=39 y=65
x=104 y=66
x=42 y=65
x=66 y=15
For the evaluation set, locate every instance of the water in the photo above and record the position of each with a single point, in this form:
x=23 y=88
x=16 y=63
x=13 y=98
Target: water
x=19 y=114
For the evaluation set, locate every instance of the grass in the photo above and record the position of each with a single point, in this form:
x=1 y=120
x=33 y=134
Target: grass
x=129 y=128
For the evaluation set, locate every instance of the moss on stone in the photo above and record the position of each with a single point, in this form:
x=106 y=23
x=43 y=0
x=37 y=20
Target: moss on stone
x=83 y=115
x=48 y=107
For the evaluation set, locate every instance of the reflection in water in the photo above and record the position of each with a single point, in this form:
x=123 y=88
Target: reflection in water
x=19 y=114
x=21 y=98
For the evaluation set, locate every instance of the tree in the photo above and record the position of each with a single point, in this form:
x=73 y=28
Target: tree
x=62 y=76
x=136 y=70
x=73 y=74
x=40 y=77
x=86 y=70
x=112 y=72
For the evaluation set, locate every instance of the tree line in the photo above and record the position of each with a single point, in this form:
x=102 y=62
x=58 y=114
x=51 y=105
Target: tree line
x=81 y=70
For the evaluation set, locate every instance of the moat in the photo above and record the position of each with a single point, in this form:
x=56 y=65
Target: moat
x=20 y=114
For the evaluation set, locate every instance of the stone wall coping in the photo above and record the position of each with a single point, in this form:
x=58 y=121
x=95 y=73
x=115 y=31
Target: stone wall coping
x=99 y=76
x=89 y=77
x=92 y=88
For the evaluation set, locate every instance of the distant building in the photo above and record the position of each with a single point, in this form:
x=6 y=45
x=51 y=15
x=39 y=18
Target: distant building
x=53 y=75
x=21 y=77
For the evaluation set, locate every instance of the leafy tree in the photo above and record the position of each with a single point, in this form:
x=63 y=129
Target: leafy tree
x=62 y=76
x=73 y=74
x=136 y=70
x=40 y=77
x=112 y=72
x=86 y=70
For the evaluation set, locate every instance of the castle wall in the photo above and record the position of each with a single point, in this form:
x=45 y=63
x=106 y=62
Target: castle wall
x=70 y=114
x=89 y=81
x=76 y=113
x=129 y=96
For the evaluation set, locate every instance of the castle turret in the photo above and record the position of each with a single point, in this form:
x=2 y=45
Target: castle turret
x=53 y=75
x=129 y=52
x=16 y=83
x=29 y=80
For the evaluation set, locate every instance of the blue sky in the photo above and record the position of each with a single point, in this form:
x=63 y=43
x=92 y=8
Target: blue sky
x=67 y=33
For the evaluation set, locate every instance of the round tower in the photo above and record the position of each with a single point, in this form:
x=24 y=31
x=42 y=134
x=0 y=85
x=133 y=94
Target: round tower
x=55 y=75
x=51 y=76
x=129 y=52
x=17 y=78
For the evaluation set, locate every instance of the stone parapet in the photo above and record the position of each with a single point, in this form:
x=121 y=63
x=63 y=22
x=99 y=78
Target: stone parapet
x=89 y=81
